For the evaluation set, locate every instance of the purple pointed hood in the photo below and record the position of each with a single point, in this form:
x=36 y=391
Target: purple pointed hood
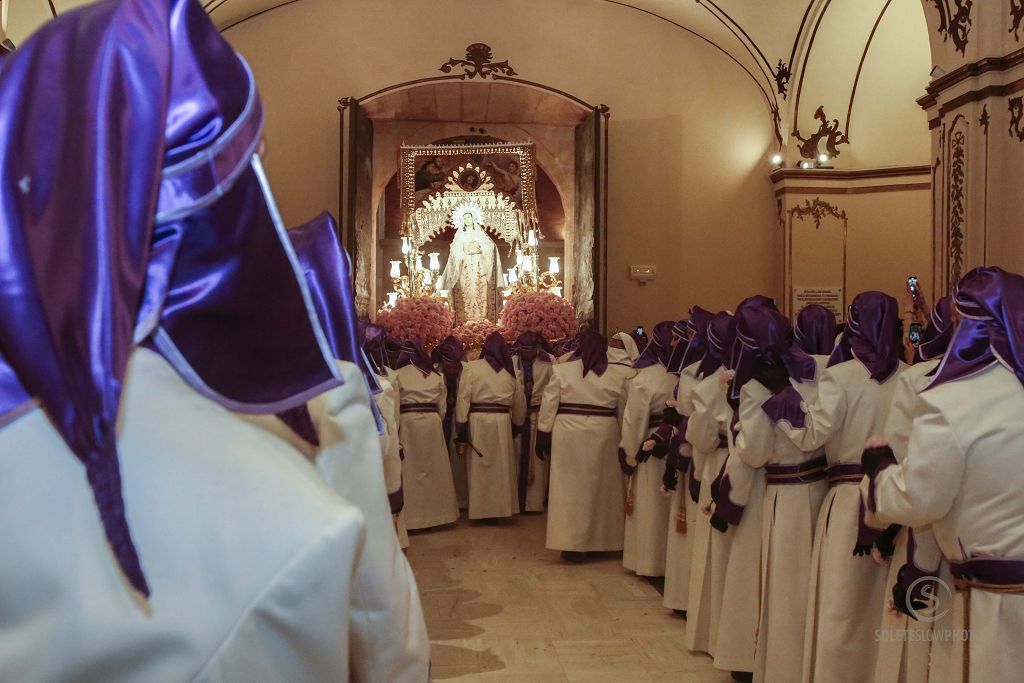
x=532 y=341
x=660 y=347
x=497 y=353
x=871 y=335
x=374 y=338
x=990 y=302
x=717 y=336
x=592 y=349
x=681 y=331
x=815 y=330
x=940 y=332
x=413 y=353
x=764 y=336
x=452 y=350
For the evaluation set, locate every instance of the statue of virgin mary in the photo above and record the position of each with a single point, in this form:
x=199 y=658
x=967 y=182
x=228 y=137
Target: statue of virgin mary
x=471 y=271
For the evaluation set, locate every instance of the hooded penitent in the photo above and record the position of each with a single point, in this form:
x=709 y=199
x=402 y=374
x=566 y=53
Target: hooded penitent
x=871 y=335
x=592 y=349
x=940 y=332
x=141 y=210
x=659 y=348
x=497 y=354
x=815 y=330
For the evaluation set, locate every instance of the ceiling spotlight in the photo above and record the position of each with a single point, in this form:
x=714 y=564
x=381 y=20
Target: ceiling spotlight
x=777 y=159
x=823 y=158
x=806 y=165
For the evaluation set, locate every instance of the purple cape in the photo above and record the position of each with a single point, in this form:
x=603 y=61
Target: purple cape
x=940 y=332
x=871 y=335
x=991 y=302
x=815 y=330
x=497 y=353
x=592 y=349
x=659 y=348
x=413 y=353
x=451 y=350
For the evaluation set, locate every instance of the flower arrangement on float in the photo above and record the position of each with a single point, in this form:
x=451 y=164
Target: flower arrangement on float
x=425 y=319
x=473 y=333
x=547 y=314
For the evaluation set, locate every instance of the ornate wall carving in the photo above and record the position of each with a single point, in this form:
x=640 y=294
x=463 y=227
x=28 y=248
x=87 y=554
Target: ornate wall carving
x=478 y=62
x=957 y=205
x=1016 y=106
x=818 y=210
x=1016 y=17
x=955 y=21
x=828 y=132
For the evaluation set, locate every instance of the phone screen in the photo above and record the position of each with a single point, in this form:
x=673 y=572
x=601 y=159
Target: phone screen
x=639 y=331
x=912 y=284
x=915 y=334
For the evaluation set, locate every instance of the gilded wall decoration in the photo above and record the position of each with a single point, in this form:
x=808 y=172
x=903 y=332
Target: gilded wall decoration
x=810 y=147
x=955 y=21
x=957 y=206
x=478 y=63
x=1016 y=18
x=985 y=119
x=1016 y=105
x=818 y=209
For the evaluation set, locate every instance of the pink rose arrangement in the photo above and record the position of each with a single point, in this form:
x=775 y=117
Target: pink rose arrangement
x=548 y=315
x=424 y=319
x=473 y=333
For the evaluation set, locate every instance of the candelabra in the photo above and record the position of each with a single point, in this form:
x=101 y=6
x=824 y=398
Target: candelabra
x=418 y=281
x=526 y=275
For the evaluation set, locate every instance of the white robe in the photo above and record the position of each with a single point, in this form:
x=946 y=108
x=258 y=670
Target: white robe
x=646 y=533
x=537 y=481
x=710 y=549
x=387 y=403
x=789 y=513
x=963 y=476
x=586 y=493
x=427 y=471
x=846 y=593
x=389 y=637
x=904 y=660
x=249 y=554
x=491 y=467
x=680 y=536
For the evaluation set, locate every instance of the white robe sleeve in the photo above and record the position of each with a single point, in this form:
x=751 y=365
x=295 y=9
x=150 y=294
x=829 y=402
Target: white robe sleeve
x=823 y=419
x=635 y=417
x=465 y=396
x=703 y=428
x=519 y=406
x=549 y=402
x=754 y=442
x=921 y=489
x=442 y=398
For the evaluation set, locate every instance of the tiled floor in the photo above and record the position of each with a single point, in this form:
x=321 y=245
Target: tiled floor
x=500 y=607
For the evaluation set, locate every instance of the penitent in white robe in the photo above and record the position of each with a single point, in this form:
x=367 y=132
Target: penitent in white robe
x=537 y=480
x=710 y=548
x=846 y=593
x=387 y=403
x=646 y=531
x=491 y=466
x=455 y=457
x=248 y=553
x=427 y=472
x=904 y=660
x=586 y=490
x=962 y=475
x=789 y=514
x=683 y=513
x=389 y=637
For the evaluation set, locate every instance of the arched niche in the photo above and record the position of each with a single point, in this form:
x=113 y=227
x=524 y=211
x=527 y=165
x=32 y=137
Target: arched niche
x=570 y=141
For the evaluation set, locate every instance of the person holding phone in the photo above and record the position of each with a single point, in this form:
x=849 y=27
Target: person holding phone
x=915 y=314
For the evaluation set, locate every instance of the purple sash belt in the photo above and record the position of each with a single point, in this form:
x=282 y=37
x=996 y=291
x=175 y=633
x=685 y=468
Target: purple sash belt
x=850 y=473
x=586 y=409
x=496 y=408
x=419 y=408
x=801 y=473
x=999 y=575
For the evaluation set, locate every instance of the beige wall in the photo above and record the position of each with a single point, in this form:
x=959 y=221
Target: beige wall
x=689 y=131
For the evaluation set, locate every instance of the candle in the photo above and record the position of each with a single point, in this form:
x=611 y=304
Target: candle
x=527 y=265
x=553 y=264
x=396 y=270
x=443 y=293
x=392 y=299
x=531 y=238
x=557 y=291
x=406 y=247
x=435 y=262
x=519 y=258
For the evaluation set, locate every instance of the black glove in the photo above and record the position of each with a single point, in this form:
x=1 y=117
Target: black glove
x=670 y=479
x=671 y=416
x=719 y=524
x=542 y=451
x=875 y=459
x=886 y=543
x=903 y=601
x=862 y=549
x=774 y=378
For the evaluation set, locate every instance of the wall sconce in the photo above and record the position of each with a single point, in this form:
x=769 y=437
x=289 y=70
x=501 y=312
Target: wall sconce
x=777 y=160
x=823 y=159
x=806 y=165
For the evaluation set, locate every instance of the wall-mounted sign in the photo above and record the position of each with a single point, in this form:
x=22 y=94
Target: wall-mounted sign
x=829 y=297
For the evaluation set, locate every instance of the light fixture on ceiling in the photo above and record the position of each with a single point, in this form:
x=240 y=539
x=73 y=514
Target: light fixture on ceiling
x=777 y=160
x=806 y=165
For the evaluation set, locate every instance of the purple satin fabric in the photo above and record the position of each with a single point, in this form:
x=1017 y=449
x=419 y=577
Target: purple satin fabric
x=815 y=330
x=940 y=332
x=681 y=332
x=991 y=303
x=497 y=354
x=413 y=353
x=764 y=336
x=732 y=346
x=592 y=349
x=374 y=346
x=697 y=347
x=871 y=335
x=451 y=350
x=82 y=142
x=532 y=341
x=786 y=406
x=717 y=334
x=14 y=400
x=660 y=347
x=725 y=508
